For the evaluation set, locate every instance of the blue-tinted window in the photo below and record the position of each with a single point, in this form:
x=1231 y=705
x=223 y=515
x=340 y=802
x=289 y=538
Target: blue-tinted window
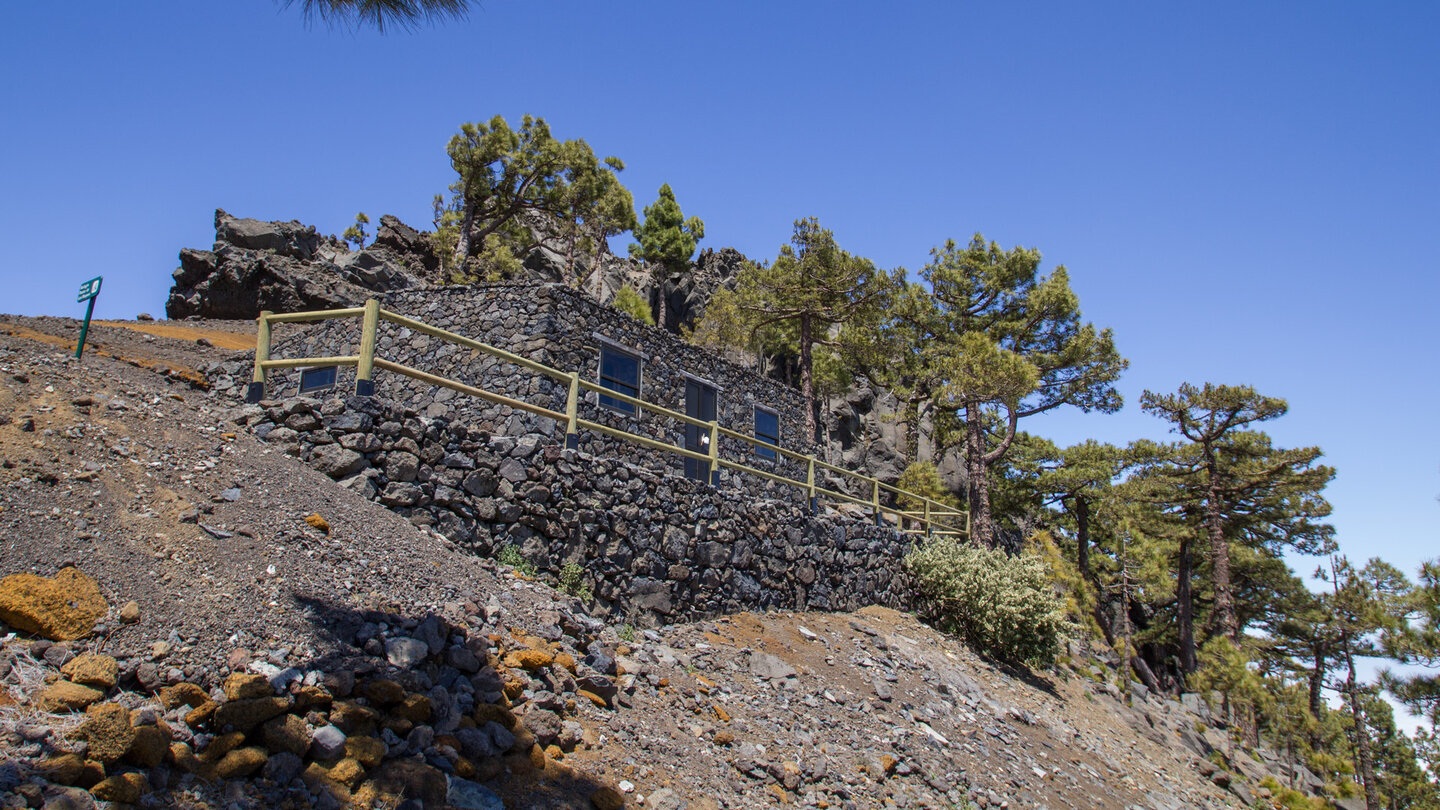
x=619 y=372
x=313 y=379
x=767 y=429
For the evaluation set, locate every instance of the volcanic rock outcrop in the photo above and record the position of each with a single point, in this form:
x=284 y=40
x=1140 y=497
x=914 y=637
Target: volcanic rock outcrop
x=288 y=266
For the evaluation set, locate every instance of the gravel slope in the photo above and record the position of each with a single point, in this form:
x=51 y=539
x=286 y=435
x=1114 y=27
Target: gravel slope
x=124 y=466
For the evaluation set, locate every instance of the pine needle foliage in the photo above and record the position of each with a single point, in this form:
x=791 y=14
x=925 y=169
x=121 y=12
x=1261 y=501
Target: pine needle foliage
x=1002 y=606
x=923 y=479
x=403 y=14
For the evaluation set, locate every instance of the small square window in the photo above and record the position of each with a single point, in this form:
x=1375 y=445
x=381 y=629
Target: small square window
x=767 y=429
x=620 y=372
x=314 y=379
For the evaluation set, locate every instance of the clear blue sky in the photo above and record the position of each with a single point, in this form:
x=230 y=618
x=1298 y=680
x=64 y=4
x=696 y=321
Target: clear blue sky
x=1245 y=192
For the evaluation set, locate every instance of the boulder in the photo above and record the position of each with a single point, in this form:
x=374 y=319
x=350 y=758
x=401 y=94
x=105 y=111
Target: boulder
x=285 y=238
x=337 y=462
x=125 y=788
x=72 y=769
x=286 y=733
x=412 y=779
x=405 y=652
x=241 y=762
x=149 y=747
x=466 y=795
x=99 y=671
x=108 y=731
x=64 y=696
x=244 y=686
x=60 y=609
x=244 y=715
x=328 y=742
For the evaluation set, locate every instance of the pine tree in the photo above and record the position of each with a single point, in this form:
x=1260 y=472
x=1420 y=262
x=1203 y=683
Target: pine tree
x=814 y=288
x=1229 y=465
x=511 y=179
x=1006 y=344
x=1364 y=605
x=355 y=234
x=667 y=241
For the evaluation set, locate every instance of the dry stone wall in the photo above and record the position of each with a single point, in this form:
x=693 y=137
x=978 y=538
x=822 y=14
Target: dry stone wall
x=653 y=546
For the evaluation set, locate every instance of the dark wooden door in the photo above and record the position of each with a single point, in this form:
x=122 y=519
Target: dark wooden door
x=699 y=404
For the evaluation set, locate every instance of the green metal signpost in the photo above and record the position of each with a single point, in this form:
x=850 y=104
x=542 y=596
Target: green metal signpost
x=88 y=292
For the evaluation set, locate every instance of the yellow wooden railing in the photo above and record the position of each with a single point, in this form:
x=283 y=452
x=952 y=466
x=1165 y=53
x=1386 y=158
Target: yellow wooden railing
x=932 y=518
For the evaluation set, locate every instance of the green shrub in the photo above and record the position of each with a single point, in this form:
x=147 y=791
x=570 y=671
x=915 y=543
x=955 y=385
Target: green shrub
x=630 y=302
x=572 y=581
x=510 y=555
x=1002 y=606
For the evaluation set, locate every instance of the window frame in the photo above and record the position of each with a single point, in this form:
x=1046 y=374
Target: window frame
x=334 y=378
x=762 y=451
x=601 y=378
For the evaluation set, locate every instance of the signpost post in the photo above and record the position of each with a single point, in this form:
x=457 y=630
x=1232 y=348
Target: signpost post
x=88 y=292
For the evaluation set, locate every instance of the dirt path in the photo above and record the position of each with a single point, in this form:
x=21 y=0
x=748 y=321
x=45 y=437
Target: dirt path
x=222 y=338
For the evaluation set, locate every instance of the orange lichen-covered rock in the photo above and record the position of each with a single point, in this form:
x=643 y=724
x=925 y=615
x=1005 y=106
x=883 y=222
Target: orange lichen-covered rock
x=244 y=686
x=125 y=788
x=108 y=731
x=61 y=609
x=183 y=694
x=528 y=660
x=99 y=671
x=64 y=696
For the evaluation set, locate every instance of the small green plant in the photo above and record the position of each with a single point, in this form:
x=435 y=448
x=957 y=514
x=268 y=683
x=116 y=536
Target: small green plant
x=355 y=234
x=626 y=632
x=1002 y=606
x=923 y=479
x=630 y=302
x=572 y=581
x=510 y=555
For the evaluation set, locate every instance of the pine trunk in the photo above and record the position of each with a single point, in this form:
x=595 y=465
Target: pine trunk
x=1365 y=765
x=1185 y=608
x=1082 y=536
x=912 y=430
x=1225 y=624
x=807 y=380
x=660 y=309
x=462 y=241
x=1317 y=681
x=978 y=493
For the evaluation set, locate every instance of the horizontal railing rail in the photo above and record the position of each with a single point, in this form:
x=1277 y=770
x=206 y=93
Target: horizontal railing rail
x=931 y=517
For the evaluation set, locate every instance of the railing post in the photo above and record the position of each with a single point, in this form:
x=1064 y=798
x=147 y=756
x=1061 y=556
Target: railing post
x=927 y=517
x=714 y=453
x=364 y=385
x=875 y=500
x=572 y=413
x=256 y=391
x=810 y=484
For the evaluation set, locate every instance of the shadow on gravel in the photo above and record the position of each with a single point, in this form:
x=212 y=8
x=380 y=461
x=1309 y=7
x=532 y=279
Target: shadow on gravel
x=1031 y=678
x=338 y=628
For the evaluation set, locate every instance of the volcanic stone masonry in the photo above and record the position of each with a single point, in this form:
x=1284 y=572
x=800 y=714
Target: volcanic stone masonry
x=653 y=547
x=652 y=543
